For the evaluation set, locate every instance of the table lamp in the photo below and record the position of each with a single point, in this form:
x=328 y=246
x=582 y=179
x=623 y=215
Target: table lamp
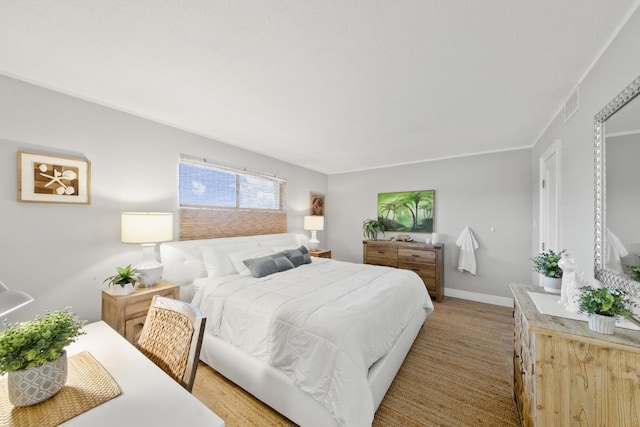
x=12 y=300
x=147 y=228
x=314 y=224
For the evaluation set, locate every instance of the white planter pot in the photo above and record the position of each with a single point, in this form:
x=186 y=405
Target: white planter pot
x=122 y=290
x=602 y=324
x=34 y=385
x=552 y=284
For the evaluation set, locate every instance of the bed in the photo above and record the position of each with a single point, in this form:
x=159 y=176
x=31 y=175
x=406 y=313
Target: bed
x=319 y=341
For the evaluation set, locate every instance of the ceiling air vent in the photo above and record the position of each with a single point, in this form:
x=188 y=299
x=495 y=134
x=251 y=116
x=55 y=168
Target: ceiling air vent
x=571 y=106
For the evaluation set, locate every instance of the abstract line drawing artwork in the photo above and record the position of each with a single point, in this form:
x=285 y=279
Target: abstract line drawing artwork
x=49 y=179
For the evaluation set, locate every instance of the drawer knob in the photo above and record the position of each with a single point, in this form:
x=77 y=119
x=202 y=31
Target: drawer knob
x=415 y=256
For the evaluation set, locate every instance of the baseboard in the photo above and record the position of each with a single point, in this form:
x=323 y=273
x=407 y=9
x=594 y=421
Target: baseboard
x=475 y=296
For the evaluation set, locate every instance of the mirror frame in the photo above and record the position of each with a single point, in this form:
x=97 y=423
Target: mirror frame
x=607 y=277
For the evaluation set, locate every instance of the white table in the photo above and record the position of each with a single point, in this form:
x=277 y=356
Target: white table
x=149 y=396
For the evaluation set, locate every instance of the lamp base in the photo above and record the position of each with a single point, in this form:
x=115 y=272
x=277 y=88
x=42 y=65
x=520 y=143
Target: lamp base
x=314 y=243
x=150 y=270
x=149 y=276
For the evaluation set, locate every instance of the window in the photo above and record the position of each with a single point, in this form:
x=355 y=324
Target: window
x=202 y=184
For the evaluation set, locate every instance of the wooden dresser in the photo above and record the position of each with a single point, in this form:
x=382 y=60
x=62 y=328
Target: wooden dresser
x=426 y=260
x=567 y=375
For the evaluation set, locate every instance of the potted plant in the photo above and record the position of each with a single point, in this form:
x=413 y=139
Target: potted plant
x=603 y=306
x=546 y=263
x=633 y=271
x=371 y=228
x=36 y=349
x=124 y=282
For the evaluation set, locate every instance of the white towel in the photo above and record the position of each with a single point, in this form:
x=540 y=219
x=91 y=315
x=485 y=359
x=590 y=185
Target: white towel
x=468 y=246
x=615 y=252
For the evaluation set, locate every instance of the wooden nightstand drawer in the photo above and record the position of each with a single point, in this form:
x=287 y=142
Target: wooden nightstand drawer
x=127 y=313
x=139 y=304
x=133 y=328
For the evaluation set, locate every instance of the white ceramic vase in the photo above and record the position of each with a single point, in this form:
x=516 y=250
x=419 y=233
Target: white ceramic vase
x=602 y=324
x=34 y=385
x=552 y=284
x=122 y=290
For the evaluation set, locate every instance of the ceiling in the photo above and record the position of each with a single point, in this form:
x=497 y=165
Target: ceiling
x=333 y=85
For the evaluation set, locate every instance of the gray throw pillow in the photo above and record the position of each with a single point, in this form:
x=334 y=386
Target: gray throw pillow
x=298 y=256
x=266 y=265
x=282 y=262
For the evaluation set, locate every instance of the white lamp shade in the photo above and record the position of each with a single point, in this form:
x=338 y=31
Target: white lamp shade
x=314 y=223
x=146 y=227
x=12 y=300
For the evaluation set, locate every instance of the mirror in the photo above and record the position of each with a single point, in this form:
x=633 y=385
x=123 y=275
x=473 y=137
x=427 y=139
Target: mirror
x=617 y=199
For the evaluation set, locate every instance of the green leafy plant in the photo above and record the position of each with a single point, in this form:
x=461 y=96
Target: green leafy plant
x=125 y=275
x=546 y=263
x=607 y=301
x=36 y=342
x=633 y=271
x=371 y=228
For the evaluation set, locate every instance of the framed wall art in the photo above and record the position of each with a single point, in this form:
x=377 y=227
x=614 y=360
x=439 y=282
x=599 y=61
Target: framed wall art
x=410 y=211
x=50 y=179
x=316 y=207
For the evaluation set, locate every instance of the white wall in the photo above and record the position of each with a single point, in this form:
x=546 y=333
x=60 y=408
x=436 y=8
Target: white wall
x=617 y=67
x=60 y=253
x=482 y=191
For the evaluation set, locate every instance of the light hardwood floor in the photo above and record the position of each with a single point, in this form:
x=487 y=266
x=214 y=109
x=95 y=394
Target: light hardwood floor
x=458 y=373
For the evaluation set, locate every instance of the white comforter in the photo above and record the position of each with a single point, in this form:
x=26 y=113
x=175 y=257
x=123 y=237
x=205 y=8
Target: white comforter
x=323 y=324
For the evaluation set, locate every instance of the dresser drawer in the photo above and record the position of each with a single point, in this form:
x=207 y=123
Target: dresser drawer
x=424 y=259
x=430 y=283
x=423 y=270
x=420 y=255
x=381 y=252
x=389 y=262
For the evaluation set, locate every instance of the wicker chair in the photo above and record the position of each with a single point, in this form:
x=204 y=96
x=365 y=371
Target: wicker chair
x=172 y=337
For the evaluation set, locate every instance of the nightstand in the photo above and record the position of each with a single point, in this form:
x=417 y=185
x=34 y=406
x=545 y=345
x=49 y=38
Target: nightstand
x=320 y=253
x=127 y=313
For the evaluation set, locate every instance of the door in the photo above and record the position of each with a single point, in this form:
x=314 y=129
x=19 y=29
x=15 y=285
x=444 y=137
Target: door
x=550 y=198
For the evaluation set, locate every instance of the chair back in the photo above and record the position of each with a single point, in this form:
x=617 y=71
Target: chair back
x=172 y=337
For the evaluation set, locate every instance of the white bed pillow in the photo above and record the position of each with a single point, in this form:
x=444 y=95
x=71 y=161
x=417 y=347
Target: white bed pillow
x=216 y=258
x=237 y=258
x=285 y=243
x=285 y=248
